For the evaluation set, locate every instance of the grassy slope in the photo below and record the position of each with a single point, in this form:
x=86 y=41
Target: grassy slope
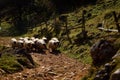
x=101 y=11
x=10 y=62
x=81 y=51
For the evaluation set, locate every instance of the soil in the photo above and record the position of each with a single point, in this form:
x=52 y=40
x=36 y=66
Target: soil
x=50 y=66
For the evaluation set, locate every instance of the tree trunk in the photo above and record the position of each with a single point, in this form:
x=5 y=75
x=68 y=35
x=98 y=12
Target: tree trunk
x=83 y=25
x=67 y=32
x=116 y=21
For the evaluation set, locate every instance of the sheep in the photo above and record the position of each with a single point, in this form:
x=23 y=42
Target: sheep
x=31 y=47
x=21 y=38
x=14 y=43
x=28 y=44
x=34 y=45
x=45 y=39
x=27 y=37
x=32 y=38
x=20 y=44
x=40 y=45
x=56 y=40
x=52 y=45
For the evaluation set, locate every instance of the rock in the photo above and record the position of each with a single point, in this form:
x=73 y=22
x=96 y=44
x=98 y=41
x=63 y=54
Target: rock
x=106 y=76
x=97 y=77
x=72 y=73
x=116 y=55
x=2 y=72
x=43 y=67
x=40 y=75
x=102 y=71
x=18 y=77
x=33 y=75
x=65 y=78
x=65 y=67
x=116 y=75
x=49 y=69
x=52 y=73
x=24 y=75
x=107 y=67
x=20 y=74
x=102 y=51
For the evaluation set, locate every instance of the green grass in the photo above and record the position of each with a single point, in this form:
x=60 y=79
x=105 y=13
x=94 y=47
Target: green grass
x=80 y=52
x=5 y=28
x=9 y=64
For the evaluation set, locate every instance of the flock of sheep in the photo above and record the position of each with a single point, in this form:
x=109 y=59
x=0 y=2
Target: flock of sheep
x=35 y=44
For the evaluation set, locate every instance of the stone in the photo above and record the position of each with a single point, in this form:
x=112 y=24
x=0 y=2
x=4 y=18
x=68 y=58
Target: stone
x=107 y=67
x=2 y=72
x=102 y=71
x=24 y=75
x=116 y=55
x=102 y=51
x=97 y=77
x=106 y=76
x=52 y=73
x=116 y=75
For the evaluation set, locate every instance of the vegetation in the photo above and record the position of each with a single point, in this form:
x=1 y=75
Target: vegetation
x=9 y=64
x=36 y=18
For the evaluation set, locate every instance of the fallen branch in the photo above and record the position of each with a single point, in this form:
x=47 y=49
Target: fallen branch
x=109 y=30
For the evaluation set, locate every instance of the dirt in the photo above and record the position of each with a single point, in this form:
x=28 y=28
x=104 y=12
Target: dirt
x=5 y=41
x=51 y=67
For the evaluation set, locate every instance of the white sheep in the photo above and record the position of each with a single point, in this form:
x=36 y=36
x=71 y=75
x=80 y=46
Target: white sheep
x=20 y=44
x=21 y=38
x=32 y=38
x=52 y=45
x=45 y=39
x=56 y=41
x=40 y=45
x=28 y=44
x=14 y=43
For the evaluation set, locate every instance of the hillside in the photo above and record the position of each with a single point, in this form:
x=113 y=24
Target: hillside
x=49 y=66
x=74 y=44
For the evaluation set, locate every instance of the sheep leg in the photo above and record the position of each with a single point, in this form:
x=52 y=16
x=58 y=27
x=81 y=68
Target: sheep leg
x=50 y=50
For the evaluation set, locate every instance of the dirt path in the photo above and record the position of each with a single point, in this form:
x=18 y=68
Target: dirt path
x=51 y=67
x=4 y=41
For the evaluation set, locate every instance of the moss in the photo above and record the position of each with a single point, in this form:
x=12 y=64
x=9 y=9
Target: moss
x=9 y=64
x=22 y=60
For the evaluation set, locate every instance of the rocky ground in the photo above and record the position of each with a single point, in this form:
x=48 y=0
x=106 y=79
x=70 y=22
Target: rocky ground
x=50 y=67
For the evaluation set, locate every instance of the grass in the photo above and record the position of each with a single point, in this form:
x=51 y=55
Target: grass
x=81 y=51
x=9 y=63
x=12 y=63
x=5 y=28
